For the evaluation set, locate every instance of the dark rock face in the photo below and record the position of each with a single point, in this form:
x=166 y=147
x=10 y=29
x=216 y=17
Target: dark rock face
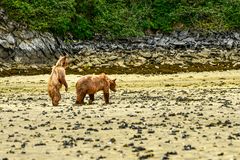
x=29 y=52
x=18 y=45
x=195 y=40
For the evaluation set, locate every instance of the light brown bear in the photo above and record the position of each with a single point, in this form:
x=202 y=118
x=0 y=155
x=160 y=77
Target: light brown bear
x=90 y=84
x=57 y=79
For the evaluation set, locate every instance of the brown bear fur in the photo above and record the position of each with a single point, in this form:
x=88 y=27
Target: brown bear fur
x=91 y=84
x=57 y=79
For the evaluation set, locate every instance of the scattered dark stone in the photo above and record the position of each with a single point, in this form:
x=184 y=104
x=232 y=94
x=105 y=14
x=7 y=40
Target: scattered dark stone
x=105 y=147
x=199 y=127
x=88 y=139
x=10 y=135
x=188 y=147
x=151 y=131
x=230 y=137
x=173 y=132
x=227 y=123
x=112 y=140
x=236 y=134
x=172 y=153
x=79 y=139
x=166 y=155
x=123 y=125
x=137 y=127
x=79 y=153
x=92 y=129
x=87 y=132
x=69 y=109
x=44 y=112
x=11 y=125
x=96 y=145
x=185 y=135
x=220 y=154
x=44 y=124
x=30 y=127
x=40 y=144
x=101 y=157
x=107 y=128
x=135 y=137
x=146 y=156
x=131 y=115
x=11 y=152
x=171 y=114
x=138 y=149
x=168 y=141
x=108 y=121
x=53 y=128
x=23 y=145
x=69 y=142
x=128 y=145
x=139 y=131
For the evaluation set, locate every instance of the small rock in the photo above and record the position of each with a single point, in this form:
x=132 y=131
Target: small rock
x=146 y=54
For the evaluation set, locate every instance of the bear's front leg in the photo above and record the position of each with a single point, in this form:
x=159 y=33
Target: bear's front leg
x=106 y=98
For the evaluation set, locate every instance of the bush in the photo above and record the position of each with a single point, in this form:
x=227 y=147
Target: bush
x=44 y=15
x=123 y=18
x=216 y=15
x=81 y=28
x=120 y=18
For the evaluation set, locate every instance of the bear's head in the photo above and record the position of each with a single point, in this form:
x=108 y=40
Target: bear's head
x=62 y=62
x=113 y=85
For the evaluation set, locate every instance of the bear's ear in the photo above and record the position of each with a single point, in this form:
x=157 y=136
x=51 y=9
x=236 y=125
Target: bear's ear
x=64 y=61
x=61 y=57
x=61 y=61
x=64 y=58
x=114 y=80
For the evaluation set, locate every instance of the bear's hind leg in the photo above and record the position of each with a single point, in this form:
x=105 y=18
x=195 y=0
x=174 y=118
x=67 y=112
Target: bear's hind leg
x=80 y=97
x=56 y=98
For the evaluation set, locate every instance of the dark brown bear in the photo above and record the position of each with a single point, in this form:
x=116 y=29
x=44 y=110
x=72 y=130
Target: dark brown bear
x=91 y=84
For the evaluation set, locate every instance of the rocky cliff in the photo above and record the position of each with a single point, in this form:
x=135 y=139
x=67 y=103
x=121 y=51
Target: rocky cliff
x=28 y=52
x=23 y=51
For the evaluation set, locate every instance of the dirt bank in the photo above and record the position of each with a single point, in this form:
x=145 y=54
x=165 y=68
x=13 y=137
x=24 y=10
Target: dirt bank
x=177 y=116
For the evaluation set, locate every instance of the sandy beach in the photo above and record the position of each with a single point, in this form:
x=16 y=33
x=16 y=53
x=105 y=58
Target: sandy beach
x=177 y=116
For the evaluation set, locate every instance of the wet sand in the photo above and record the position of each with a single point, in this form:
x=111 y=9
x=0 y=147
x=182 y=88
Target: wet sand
x=178 y=116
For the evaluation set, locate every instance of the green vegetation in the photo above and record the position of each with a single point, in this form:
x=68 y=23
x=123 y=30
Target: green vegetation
x=123 y=18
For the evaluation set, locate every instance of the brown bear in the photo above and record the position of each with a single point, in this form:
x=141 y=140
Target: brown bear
x=57 y=79
x=90 y=84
